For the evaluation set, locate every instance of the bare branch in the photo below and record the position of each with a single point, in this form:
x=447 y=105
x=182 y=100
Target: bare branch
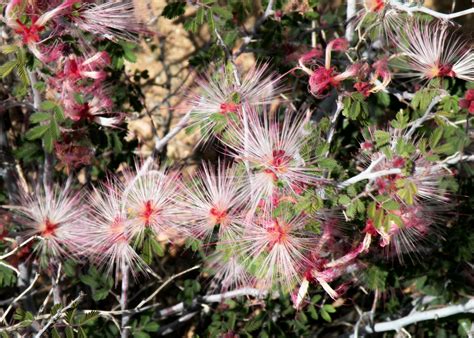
x=162 y=286
x=19 y=297
x=59 y=314
x=420 y=316
x=443 y=16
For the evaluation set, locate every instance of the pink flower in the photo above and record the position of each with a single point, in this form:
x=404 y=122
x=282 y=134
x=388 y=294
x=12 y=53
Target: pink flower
x=364 y=88
x=107 y=235
x=111 y=20
x=276 y=247
x=468 y=101
x=432 y=51
x=54 y=214
x=214 y=199
x=150 y=200
x=221 y=99
x=274 y=152
x=228 y=271
x=30 y=33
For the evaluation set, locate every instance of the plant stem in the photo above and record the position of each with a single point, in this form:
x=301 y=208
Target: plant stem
x=123 y=300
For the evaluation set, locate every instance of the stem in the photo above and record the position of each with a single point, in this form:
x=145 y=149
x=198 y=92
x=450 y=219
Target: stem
x=350 y=12
x=332 y=130
x=19 y=297
x=368 y=175
x=217 y=298
x=417 y=123
x=162 y=286
x=443 y=16
x=415 y=317
x=123 y=300
x=55 y=283
x=48 y=158
x=59 y=315
x=268 y=11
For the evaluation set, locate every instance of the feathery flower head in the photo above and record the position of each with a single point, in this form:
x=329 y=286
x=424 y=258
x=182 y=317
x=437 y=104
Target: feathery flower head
x=433 y=51
x=149 y=198
x=274 y=248
x=111 y=20
x=107 y=236
x=54 y=214
x=213 y=198
x=221 y=99
x=227 y=269
x=406 y=229
x=275 y=153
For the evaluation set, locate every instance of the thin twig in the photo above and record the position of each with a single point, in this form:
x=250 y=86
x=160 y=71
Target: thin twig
x=19 y=297
x=399 y=324
x=59 y=314
x=8 y=254
x=162 y=286
x=417 y=123
x=443 y=16
x=268 y=11
x=123 y=300
x=217 y=298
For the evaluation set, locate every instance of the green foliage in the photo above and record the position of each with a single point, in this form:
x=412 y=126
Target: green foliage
x=99 y=283
x=46 y=126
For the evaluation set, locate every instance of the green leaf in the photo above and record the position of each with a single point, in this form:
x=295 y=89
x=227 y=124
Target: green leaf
x=48 y=105
x=69 y=332
x=435 y=137
x=382 y=137
x=223 y=12
x=327 y=163
x=48 y=140
x=157 y=247
x=100 y=294
x=329 y=308
x=7 y=68
x=8 y=49
x=344 y=200
x=325 y=315
x=391 y=205
x=39 y=117
x=174 y=10
x=36 y=132
x=151 y=327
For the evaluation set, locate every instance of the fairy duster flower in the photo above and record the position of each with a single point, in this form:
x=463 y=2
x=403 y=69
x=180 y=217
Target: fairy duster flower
x=274 y=152
x=107 y=235
x=221 y=97
x=214 y=198
x=149 y=198
x=432 y=50
x=54 y=214
x=274 y=249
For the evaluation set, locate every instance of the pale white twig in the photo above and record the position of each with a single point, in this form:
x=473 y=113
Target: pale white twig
x=59 y=315
x=399 y=324
x=5 y=314
x=443 y=16
x=8 y=254
x=11 y=267
x=124 y=300
x=368 y=175
x=350 y=12
x=162 y=286
x=417 y=123
x=217 y=298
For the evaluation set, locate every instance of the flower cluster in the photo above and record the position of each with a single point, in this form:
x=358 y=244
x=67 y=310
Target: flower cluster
x=408 y=199
x=80 y=70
